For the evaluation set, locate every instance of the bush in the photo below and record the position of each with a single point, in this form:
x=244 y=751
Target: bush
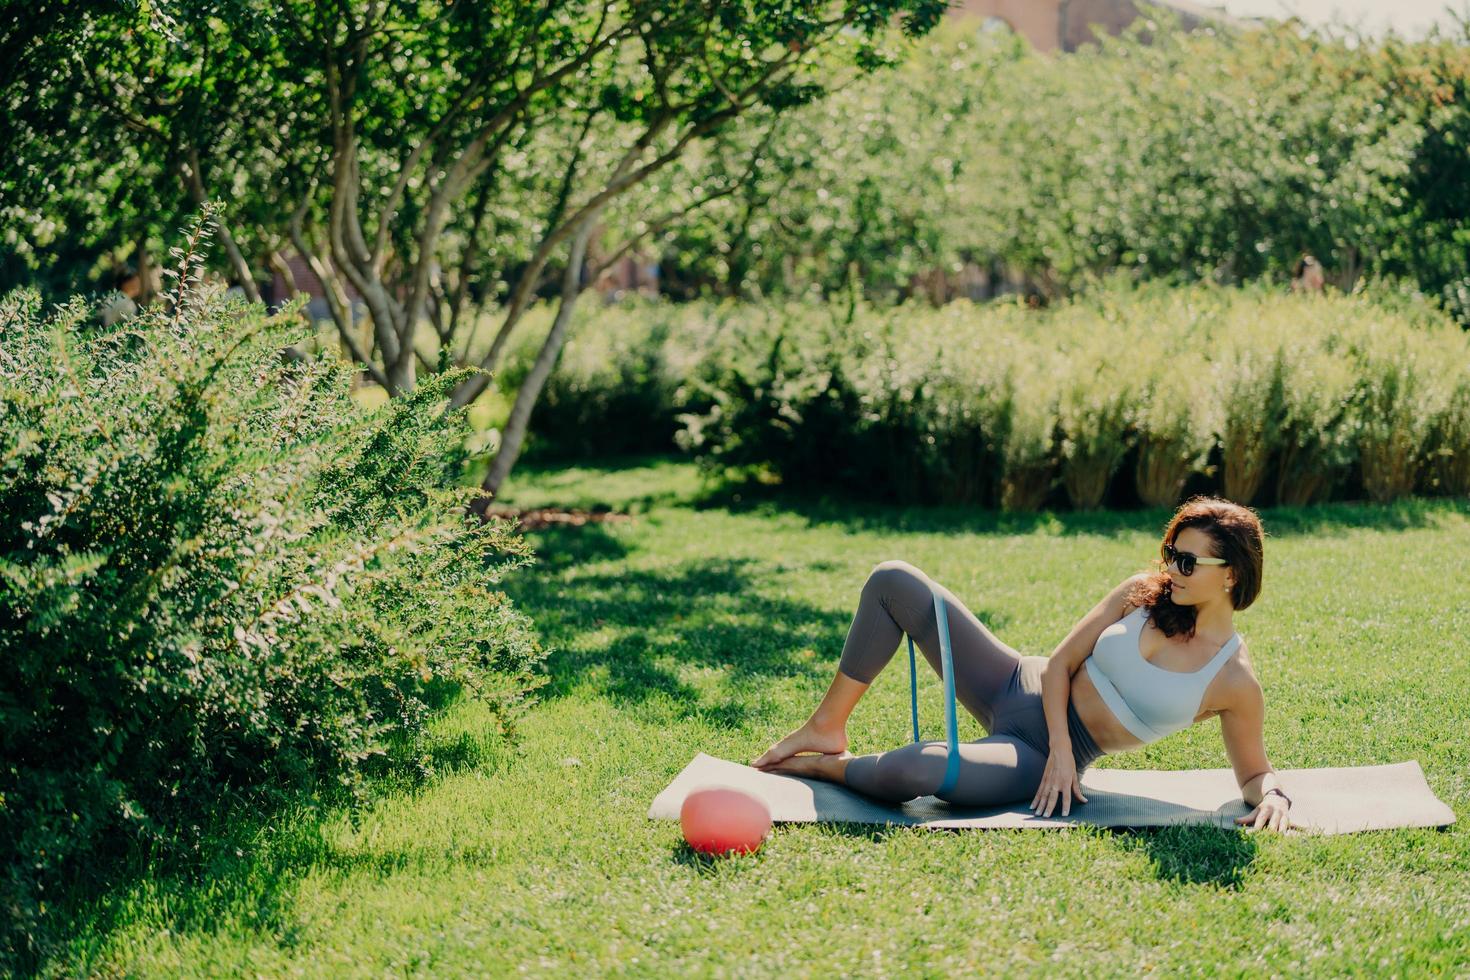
x=1028 y=466
x=220 y=580
x=1249 y=385
x=612 y=390
x=996 y=405
x=1176 y=416
x=1448 y=462
x=1094 y=413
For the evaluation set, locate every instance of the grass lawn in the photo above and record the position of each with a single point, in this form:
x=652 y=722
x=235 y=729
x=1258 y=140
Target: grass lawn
x=712 y=622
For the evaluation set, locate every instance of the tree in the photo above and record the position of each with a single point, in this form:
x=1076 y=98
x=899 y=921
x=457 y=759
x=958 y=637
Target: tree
x=376 y=136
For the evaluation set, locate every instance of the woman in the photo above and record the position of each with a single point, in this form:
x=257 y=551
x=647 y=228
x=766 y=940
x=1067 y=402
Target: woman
x=1156 y=655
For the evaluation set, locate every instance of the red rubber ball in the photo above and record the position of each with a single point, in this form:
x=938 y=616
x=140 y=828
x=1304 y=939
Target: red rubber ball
x=723 y=819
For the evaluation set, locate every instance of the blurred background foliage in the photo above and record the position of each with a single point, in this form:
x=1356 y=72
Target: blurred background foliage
x=975 y=164
x=1128 y=395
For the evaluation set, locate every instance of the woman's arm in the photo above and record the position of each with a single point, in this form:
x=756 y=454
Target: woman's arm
x=1242 y=726
x=1056 y=688
x=1056 y=677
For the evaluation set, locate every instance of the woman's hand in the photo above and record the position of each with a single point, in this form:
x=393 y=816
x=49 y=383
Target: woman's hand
x=1272 y=812
x=1058 y=782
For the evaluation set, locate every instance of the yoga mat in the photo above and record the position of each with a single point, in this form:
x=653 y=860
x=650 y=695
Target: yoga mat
x=1327 y=800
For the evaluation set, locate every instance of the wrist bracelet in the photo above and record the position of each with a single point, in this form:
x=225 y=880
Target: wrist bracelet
x=1277 y=791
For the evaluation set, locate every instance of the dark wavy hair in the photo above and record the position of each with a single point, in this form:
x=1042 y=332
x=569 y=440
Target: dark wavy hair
x=1239 y=539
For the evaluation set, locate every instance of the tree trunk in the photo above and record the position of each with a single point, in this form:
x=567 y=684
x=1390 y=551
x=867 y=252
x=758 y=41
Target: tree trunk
x=143 y=264
x=530 y=390
x=401 y=373
x=469 y=266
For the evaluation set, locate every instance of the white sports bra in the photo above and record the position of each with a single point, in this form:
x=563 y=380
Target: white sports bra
x=1148 y=700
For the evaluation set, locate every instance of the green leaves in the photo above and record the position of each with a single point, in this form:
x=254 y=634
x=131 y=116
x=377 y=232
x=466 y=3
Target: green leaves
x=999 y=404
x=219 y=574
x=1216 y=156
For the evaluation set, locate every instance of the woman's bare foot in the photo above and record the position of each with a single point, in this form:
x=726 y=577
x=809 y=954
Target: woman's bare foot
x=807 y=738
x=830 y=766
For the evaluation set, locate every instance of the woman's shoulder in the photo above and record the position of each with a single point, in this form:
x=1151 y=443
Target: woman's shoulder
x=1237 y=678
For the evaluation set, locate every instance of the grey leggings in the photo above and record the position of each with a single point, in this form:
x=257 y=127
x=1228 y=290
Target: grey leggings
x=998 y=686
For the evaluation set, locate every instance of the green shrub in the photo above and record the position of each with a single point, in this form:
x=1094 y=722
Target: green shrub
x=1395 y=402
x=1028 y=466
x=220 y=580
x=613 y=390
x=1249 y=385
x=879 y=411
x=1094 y=413
x=997 y=405
x=1317 y=434
x=763 y=403
x=1176 y=416
x=1447 y=449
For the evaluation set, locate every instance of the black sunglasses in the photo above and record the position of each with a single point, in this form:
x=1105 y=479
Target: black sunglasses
x=1186 y=560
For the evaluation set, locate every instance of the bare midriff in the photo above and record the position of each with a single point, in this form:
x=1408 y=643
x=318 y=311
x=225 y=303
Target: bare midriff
x=1106 y=730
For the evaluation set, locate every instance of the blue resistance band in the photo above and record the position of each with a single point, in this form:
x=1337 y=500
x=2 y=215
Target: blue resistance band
x=951 y=725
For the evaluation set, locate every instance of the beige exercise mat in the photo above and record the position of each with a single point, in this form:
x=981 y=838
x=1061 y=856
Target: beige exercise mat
x=1329 y=800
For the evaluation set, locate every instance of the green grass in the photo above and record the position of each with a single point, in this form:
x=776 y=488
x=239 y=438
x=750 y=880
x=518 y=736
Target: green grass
x=713 y=623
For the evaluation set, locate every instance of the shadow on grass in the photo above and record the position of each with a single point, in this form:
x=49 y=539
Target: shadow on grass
x=561 y=548
x=1187 y=855
x=244 y=872
x=854 y=513
x=710 y=865
x=244 y=869
x=1181 y=855
x=705 y=613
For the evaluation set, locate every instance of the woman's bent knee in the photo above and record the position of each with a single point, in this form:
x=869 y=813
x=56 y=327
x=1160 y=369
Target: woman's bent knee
x=896 y=573
x=893 y=563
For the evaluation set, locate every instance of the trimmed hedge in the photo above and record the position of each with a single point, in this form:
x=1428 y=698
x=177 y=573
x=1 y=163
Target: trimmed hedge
x=1121 y=397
